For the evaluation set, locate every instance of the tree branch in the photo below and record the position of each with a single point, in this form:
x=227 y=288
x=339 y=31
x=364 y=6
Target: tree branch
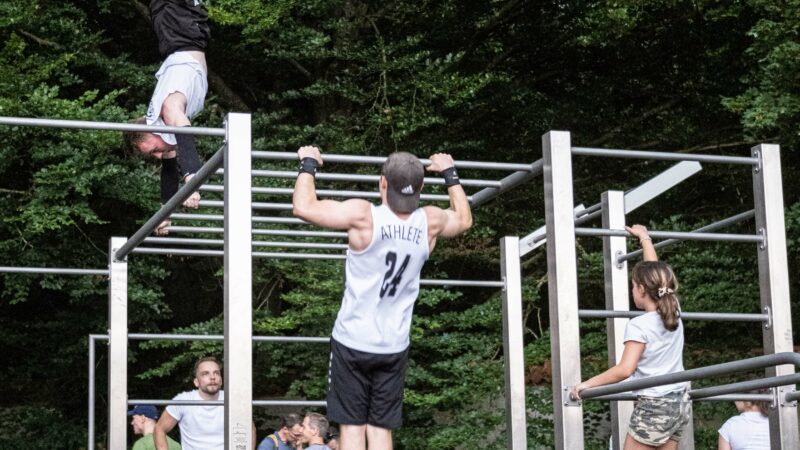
x=40 y=40
x=640 y=118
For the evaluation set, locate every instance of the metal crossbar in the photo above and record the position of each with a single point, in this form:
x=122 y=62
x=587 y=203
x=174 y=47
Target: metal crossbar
x=758 y=362
x=663 y=156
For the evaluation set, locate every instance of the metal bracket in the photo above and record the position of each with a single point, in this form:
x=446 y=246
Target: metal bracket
x=757 y=167
x=763 y=233
x=619 y=263
x=505 y=285
x=781 y=394
x=774 y=403
x=125 y=259
x=567 y=398
x=768 y=312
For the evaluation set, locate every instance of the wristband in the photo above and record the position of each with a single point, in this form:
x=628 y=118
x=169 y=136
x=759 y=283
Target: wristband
x=308 y=165
x=648 y=238
x=450 y=176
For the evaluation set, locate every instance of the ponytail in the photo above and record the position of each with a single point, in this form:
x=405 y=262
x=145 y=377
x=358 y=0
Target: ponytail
x=660 y=284
x=668 y=309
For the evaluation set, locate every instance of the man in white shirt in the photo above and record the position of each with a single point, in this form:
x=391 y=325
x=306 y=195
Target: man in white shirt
x=202 y=426
x=388 y=245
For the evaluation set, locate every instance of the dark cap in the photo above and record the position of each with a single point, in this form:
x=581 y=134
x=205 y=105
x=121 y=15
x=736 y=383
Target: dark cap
x=404 y=176
x=148 y=411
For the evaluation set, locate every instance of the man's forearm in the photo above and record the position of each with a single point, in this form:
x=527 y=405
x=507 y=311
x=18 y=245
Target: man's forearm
x=305 y=194
x=160 y=439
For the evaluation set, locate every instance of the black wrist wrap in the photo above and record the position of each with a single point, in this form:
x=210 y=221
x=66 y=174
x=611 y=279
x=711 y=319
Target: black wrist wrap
x=169 y=179
x=450 y=176
x=308 y=165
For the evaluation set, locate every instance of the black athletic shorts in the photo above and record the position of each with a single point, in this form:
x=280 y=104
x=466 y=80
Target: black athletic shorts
x=180 y=25
x=366 y=388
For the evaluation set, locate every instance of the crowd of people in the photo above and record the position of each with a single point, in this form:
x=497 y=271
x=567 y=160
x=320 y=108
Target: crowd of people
x=202 y=427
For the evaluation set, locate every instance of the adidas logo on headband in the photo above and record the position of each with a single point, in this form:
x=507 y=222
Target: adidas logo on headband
x=408 y=190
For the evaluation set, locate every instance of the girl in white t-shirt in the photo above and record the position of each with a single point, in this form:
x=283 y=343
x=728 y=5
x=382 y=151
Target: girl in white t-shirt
x=653 y=346
x=747 y=431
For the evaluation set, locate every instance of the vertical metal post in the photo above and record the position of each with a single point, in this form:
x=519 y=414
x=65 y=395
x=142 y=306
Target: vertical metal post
x=90 y=437
x=117 y=347
x=562 y=276
x=513 y=353
x=238 y=285
x=773 y=275
x=616 y=290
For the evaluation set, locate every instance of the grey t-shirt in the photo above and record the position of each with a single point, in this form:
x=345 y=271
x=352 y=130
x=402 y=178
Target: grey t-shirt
x=180 y=72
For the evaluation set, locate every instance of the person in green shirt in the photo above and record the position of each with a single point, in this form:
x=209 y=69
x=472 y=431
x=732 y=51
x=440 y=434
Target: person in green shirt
x=144 y=422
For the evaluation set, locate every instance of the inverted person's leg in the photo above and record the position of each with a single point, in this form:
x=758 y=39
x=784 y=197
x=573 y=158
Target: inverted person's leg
x=352 y=437
x=379 y=438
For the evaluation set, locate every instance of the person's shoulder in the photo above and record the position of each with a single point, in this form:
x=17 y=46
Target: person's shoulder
x=144 y=443
x=187 y=395
x=267 y=444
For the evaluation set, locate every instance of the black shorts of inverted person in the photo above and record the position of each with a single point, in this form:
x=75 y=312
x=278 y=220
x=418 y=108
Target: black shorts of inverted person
x=366 y=388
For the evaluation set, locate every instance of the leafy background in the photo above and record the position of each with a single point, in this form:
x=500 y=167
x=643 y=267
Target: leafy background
x=481 y=80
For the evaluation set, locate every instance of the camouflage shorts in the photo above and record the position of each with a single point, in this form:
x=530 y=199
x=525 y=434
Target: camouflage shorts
x=658 y=419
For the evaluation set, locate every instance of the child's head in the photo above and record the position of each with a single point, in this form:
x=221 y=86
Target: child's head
x=761 y=406
x=661 y=286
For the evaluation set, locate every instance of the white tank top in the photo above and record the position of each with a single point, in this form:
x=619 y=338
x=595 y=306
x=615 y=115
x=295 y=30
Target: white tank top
x=382 y=283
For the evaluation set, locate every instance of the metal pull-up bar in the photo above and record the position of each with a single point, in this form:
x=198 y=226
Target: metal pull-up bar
x=758 y=362
x=183 y=193
x=378 y=160
x=109 y=126
x=710 y=227
x=682 y=235
x=663 y=156
x=53 y=271
x=322 y=176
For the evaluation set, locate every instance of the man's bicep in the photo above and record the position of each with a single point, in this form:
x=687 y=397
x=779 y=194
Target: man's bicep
x=336 y=215
x=167 y=422
x=444 y=222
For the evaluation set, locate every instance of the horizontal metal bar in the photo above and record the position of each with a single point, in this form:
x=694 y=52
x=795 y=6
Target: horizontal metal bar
x=378 y=160
x=728 y=317
x=663 y=156
x=221 y=242
x=219 y=337
x=302 y=403
x=273 y=255
x=792 y=396
x=710 y=227
x=53 y=271
x=781 y=380
x=109 y=126
x=321 y=176
x=256 y=205
x=758 y=362
x=323 y=193
x=159 y=402
x=515 y=179
x=686 y=236
x=256 y=219
x=475 y=283
x=257 y=231
x=717 y=398
x=183 y=193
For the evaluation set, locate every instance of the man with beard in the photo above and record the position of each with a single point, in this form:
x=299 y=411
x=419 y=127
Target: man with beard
x=202 y=427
